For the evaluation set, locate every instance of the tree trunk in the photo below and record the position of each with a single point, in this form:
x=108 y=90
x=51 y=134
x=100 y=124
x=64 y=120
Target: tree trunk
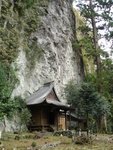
x=97 y=55
x=87 y=119
x=96 y=46
x=103 y=123
x=0 y=7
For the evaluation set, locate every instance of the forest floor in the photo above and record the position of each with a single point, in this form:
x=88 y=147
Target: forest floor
x=25 y=141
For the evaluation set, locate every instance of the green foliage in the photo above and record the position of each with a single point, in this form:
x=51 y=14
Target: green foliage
x=23 y=4
x=25 y=116
x=7 y=84
x=101 y=76
x=17 y=106
x=7 y=81
x=30 y=23
x=105 y=80
x=89 y=103
x=84 y=44
x=7 y=108
x=22 y=111
x=33 y=53
x=18 y=20
x=87 y=44
x=105 y=16
x=33 y=144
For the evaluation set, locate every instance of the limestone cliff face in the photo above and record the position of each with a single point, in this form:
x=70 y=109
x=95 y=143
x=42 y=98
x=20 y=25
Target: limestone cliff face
x=59 y=62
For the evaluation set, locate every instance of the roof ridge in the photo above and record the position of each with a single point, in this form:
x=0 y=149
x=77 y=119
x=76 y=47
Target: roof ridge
x=39 y=94
x=51 y=82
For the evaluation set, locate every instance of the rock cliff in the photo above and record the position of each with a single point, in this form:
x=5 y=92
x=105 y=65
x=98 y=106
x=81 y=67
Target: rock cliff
x=59 y=62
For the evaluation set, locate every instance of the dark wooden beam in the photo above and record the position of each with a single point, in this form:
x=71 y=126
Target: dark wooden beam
x=65 y=121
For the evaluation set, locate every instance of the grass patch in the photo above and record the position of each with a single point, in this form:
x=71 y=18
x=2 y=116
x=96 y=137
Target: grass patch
x=101 y=142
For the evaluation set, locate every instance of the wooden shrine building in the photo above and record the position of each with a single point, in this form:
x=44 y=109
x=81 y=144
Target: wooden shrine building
x=48 y=112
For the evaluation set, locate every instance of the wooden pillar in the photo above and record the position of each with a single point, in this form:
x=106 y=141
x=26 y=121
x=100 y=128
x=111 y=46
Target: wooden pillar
x=70 y=118
x=57 y=121
x=41 y=119
x=65 y=121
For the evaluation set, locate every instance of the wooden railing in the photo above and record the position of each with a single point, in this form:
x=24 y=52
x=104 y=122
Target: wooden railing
x=40 y=128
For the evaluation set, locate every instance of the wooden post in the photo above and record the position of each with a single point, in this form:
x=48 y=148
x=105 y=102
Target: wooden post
x=65 y=121
x=70 y=118
x=41 y=119
x=57 y=120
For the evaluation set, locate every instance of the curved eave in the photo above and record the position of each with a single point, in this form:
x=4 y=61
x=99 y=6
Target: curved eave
x=53 y=103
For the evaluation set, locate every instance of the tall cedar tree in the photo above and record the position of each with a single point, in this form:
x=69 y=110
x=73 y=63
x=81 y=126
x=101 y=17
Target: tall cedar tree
x=96 y=12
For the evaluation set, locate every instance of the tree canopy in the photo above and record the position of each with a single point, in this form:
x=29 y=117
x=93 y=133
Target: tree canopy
x=87 y=101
